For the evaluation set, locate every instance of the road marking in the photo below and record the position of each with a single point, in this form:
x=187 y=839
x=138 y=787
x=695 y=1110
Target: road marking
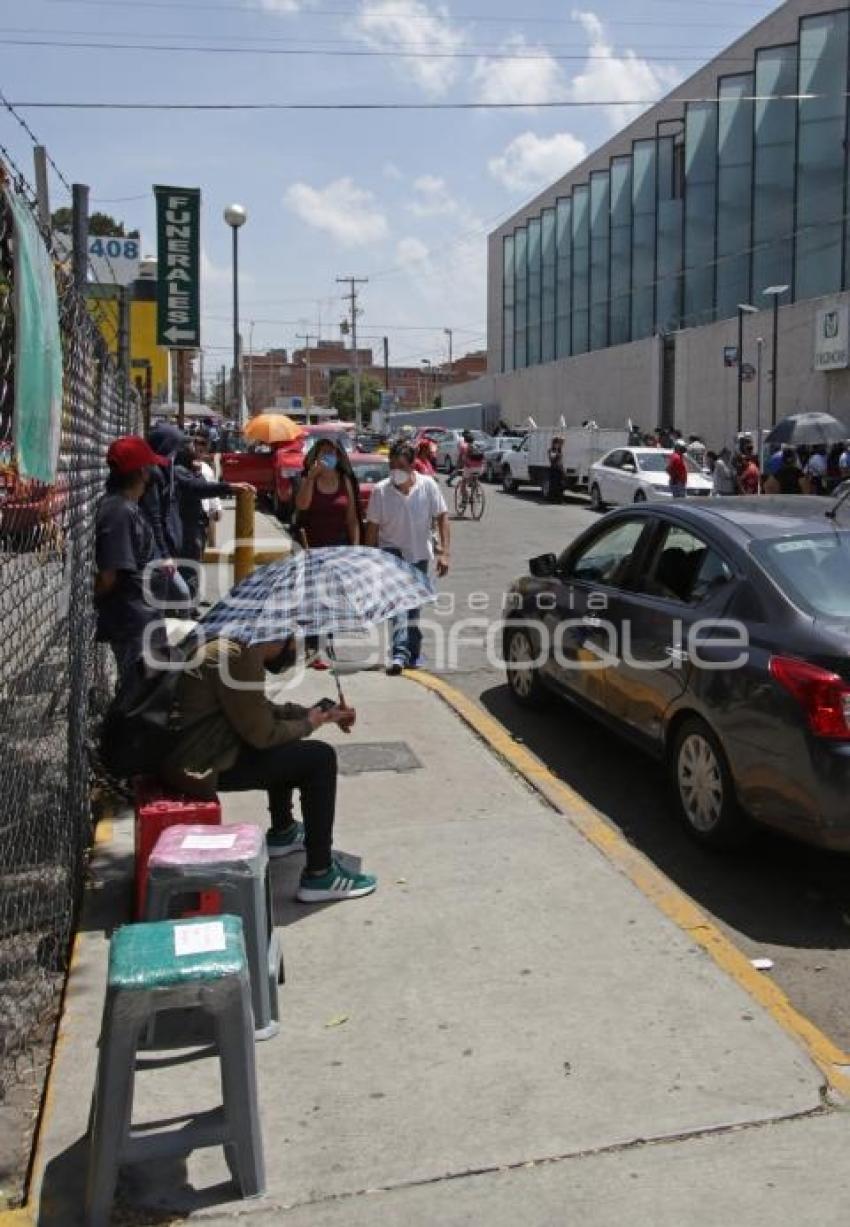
x=831 y=1060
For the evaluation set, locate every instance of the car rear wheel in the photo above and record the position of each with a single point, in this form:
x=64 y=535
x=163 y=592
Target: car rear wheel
x=523 y=679
x=447 y=465
x=703 y=788
x=640 y=497
x=596 y=498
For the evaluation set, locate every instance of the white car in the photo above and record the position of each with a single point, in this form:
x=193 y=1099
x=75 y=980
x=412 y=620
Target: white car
x=494 y=455
x=639 y=475
x=448 y=447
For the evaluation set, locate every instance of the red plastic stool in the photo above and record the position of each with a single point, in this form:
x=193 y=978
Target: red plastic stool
x=155 y=811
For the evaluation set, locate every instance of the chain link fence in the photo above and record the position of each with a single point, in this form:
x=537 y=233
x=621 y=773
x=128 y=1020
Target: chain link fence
x=53 y=675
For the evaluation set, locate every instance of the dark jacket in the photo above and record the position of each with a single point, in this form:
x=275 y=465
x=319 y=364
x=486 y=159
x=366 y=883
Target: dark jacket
x=161 y=502
x=191 y=492
x=215 y=720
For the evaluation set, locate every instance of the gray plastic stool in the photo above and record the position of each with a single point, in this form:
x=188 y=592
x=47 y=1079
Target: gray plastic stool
x=232 y=860
x=167 y=966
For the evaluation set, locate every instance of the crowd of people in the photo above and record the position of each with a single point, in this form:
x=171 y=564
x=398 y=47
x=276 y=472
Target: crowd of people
x=228 y=734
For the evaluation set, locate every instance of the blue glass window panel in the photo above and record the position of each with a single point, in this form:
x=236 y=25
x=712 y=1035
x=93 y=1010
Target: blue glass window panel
x=735 y=118
x=774 y=170
x=700 y=206
x=581 y=269
x=508 y=303
x=621 y=250
x=600 y=257
x=535 y=271
x=821 y=156
x=643 y=239
x=668 y=290
x=547 y=327
x=520 y=298
x=564 y=244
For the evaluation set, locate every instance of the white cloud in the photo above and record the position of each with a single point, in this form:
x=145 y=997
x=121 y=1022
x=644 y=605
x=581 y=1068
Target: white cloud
x=432 y=198
x=411 y=251
x=535 y=77
x=530 y=162
x=391 y=171
x=617 y=77
x=348 y=213
x=412 y=25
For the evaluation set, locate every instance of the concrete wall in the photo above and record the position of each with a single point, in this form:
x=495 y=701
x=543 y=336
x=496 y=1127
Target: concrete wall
x=612 y=385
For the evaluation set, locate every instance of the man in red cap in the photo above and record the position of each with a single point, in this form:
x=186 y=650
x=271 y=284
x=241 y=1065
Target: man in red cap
x=124 y=546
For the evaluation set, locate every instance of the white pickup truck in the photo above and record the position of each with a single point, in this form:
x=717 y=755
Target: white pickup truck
x=528 y=465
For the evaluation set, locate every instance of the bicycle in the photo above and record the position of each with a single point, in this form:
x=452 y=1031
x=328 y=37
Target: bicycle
x=470 y=494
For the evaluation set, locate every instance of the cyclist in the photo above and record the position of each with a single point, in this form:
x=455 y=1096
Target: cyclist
x=470 y=462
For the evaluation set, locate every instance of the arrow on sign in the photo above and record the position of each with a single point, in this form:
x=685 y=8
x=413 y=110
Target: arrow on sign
x=175 y=334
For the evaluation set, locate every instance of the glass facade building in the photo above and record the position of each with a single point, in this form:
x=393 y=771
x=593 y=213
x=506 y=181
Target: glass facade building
x=748 y=191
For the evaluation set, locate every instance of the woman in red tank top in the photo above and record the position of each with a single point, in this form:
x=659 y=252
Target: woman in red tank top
x=327 y=501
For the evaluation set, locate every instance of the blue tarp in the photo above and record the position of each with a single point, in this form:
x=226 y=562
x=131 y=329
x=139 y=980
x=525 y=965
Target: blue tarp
x=38 y=351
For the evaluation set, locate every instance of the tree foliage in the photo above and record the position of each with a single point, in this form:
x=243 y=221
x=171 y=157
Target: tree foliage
x=342 y=396
x=100 y=224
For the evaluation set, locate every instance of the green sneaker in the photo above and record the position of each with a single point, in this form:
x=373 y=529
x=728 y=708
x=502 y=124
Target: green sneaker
x=337 y=883
x=284 y=843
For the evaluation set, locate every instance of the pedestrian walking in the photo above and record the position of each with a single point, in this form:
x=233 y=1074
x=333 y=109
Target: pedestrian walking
x=724 y=481
x=788 y=477
x=403 y=511
x=816 y=470
x=677 y=470
x=124 y=549
x=231 y=737
x=749 y=475
x=328 y=498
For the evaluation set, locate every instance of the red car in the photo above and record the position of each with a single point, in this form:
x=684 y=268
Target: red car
x=258 y=465
x=368 y=469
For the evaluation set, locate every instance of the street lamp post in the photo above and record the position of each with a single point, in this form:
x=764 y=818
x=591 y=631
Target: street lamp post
x=759 y=367
x=775 y=292
x=426 y=363
x=236 y=216
x=743 y=309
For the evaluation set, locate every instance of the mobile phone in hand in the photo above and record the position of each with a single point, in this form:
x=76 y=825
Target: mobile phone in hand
x=325 y=704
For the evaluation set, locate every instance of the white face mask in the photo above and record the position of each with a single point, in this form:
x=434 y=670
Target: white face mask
x=400 y=477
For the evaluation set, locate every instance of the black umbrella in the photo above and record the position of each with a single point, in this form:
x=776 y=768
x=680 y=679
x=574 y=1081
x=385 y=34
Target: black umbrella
x=809 y=429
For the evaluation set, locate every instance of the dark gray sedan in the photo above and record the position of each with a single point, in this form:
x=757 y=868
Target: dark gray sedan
x=717 y=637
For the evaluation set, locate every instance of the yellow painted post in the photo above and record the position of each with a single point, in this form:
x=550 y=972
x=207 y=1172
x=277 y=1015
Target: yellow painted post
x=243 y=553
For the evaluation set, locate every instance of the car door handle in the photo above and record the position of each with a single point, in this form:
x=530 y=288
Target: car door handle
x=677 y=655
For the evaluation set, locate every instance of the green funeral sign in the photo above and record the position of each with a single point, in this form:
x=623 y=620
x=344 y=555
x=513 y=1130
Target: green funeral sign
x=178 y=232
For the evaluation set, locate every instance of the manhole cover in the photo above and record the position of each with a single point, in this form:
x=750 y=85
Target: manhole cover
x=376 y=756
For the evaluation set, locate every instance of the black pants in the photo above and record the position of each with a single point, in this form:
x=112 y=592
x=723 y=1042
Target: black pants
x=309 y=766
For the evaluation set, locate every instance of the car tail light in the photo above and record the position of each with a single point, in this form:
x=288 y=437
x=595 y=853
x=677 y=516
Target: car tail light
x=824 y=696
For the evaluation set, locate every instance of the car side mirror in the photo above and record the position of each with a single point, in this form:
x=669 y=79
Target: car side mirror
x=543 y=567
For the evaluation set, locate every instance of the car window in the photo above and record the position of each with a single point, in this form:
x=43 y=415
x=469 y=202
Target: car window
x=629 y=461
x=814 y=571
x=606 y=559
x=614 y=459
x=685 y=569
x=370 y=474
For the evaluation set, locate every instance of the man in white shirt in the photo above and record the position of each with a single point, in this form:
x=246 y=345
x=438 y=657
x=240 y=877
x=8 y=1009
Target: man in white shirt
x=401 y=516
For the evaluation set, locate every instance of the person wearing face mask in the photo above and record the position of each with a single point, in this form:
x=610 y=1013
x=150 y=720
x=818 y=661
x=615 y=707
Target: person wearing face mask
x=124 y=548
x=327 y=501
x=403 y=510
x=231 y=737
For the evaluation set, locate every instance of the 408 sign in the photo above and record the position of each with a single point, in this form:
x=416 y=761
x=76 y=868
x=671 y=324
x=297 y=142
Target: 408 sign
x=178 y=228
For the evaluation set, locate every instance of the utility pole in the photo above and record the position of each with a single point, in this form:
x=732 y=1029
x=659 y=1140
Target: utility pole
x=42 y=190
x=386 y=364
x=307 y=338
x=201 y=391
x=353 y=283
x=450 y=334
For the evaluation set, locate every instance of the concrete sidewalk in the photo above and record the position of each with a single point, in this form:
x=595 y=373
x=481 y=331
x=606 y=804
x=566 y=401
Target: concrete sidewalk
x=507 y=1031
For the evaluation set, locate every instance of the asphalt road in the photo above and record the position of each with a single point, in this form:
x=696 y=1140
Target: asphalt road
x=776 y=899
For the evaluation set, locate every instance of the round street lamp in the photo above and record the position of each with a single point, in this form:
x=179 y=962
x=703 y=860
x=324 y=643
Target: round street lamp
x=236 y=216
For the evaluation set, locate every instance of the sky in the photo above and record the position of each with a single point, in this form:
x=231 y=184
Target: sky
x=403 y=198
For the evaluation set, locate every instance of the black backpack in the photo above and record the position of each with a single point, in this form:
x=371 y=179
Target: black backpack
x=138 y=729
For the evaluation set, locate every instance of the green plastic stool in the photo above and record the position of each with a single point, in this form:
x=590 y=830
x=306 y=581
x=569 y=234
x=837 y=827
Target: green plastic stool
x=168 y=965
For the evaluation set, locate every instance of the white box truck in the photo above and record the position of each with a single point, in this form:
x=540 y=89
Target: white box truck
x=528 y=464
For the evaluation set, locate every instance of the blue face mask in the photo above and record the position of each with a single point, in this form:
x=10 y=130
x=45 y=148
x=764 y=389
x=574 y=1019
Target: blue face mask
x=328 y=460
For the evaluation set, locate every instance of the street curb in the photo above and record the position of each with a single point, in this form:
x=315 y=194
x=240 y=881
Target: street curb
x=831 y=1060
x=27 y=1214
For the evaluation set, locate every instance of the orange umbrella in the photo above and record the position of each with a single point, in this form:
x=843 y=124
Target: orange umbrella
x=273 y=428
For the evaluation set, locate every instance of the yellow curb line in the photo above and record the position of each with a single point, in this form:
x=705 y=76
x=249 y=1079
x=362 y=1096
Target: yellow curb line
x=27 y=1214
x=833 y=1063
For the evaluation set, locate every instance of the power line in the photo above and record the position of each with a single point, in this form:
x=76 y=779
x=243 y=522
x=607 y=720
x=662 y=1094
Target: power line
x=556 y=104
x=534 y=56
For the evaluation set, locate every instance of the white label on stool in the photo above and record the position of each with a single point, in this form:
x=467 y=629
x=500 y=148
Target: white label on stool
x=200 y=938
x=199 y=842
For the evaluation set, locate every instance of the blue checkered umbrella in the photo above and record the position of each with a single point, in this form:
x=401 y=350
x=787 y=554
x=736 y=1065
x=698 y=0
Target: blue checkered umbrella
x=317 y=592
